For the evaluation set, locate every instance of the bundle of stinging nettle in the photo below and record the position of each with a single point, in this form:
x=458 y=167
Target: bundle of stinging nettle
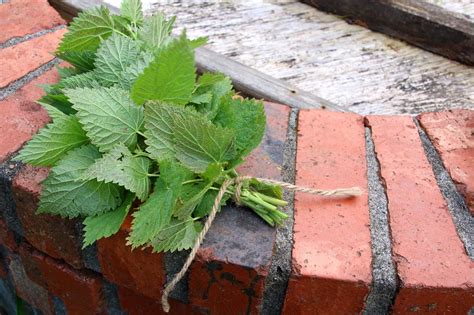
x=131 y=121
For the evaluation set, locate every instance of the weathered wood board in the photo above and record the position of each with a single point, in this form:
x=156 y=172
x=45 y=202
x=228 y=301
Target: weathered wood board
x=349 y=65
x=421 y=23
x=246 y=80
x=463 y=7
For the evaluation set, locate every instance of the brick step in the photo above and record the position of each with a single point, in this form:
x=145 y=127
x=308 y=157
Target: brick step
x=435 y=272
x=406 y=245
x=331 y=252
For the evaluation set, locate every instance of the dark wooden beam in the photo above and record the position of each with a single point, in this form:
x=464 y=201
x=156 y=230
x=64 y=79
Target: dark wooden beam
x=247 y=80
x=417 y=22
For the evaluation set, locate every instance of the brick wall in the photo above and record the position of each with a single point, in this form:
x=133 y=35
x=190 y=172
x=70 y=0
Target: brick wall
x=405 y=246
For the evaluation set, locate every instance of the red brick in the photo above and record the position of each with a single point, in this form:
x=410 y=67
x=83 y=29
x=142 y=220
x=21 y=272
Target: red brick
x=7 y=238
x=267 y=158
x=331 y=253
x=25 y=57
x=139 y=270
x=452 y=134
x=29 y=264
x=79 y=290
x=50 y=234
x=4 y=253
x=21 y=117
x=28 y=290
x=16 y=18
x=232 y=264
x=431 y=262
x=3 y=270
x=217 y=285
x=137 y=304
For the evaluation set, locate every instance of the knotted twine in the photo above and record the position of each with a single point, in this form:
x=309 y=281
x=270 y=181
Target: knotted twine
x=341 y=192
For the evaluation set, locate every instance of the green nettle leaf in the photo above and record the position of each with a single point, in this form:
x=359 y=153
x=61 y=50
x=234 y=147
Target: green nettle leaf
x=159 y=128
x=169 y=77
x=121 y=167
x=65 y=194
x=58 y=101
x=156 y=31
x=66 y=72
x=51 y=143
x=271 y=190
x=87 y=79
x=156 y=212
x=204 y=98
x=216 y=86
x=83 y=60
x=53 y=112
x=132 y=11
x=190 y=196
x=108 y=115
x=50 y=88
x=87 y=30
x=247 y=118
x=129 y=122
x=213 y=171
x=131 y=73
x=198 y=42
x=115 y=55
x=207 y=202
x=106 y=224
x=177 y=235
x=199 y=143
x=152 y=215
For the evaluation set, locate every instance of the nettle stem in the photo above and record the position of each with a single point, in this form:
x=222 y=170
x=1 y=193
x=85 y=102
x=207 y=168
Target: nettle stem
x=194 y=181
x=263 y=205
x=274 y=201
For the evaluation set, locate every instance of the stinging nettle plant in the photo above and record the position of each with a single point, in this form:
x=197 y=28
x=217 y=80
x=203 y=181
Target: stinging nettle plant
x=135 y=130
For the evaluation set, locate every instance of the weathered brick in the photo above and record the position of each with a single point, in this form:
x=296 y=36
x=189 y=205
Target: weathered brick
x=139 y=270
x=137 y=304
x=21 y=116
x=267 y=159
x=7 y=238
x=331 y=253
x=3 y=261
x=16 y=18
x=435 y=272
x=50 y=234
x=233 y=261
x=80 y=290
x=28 y=290
x=452 y=134
x=215 y=284
x=25 y=57
x=29 y=264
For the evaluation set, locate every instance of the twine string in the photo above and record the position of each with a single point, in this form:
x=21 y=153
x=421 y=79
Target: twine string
x=341 y=192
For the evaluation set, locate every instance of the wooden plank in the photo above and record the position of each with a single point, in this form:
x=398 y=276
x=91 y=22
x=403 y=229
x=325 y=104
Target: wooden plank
x=70 y=8
x=258 y=84
x=349 y=65
x=463 y=7
x=245 y=79
x=417 y=22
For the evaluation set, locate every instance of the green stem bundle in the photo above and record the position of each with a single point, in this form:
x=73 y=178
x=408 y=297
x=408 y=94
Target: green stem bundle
x=262 y=203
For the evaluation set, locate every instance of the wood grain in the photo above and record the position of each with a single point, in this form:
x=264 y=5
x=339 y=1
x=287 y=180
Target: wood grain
x=349 y=65
x=258 y=84
x=245 y=79
x=420 y=23
x=463 y=7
